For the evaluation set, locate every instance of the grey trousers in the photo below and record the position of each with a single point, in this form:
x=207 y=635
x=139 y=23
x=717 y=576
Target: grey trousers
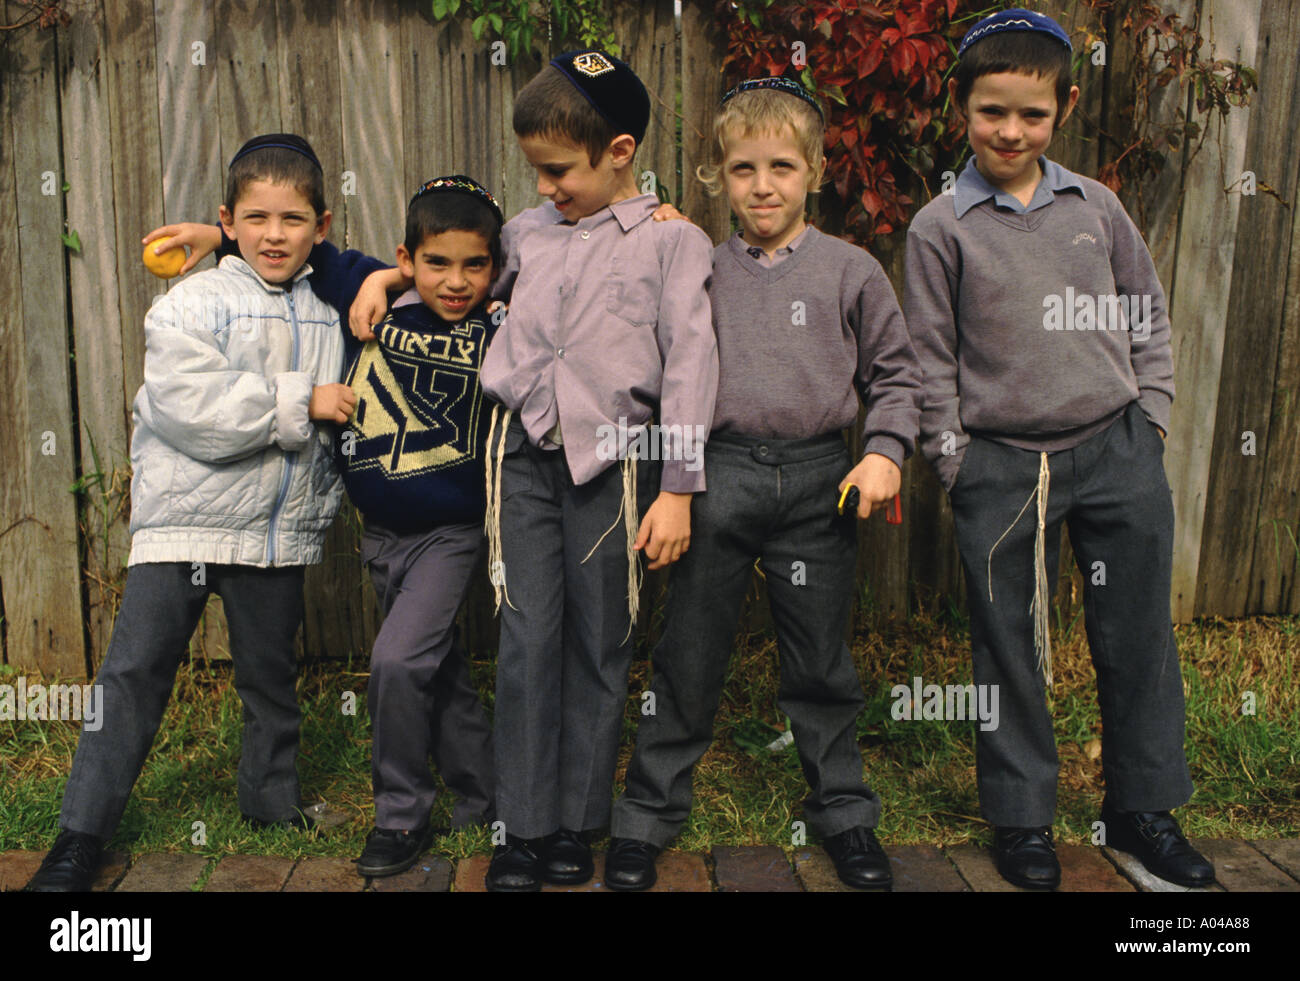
x=161 y=606
x=1112 y=494
x=565 y=649
x=774 y=500
x=422 y=703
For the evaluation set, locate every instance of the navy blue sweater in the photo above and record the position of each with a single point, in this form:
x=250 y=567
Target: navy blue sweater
x=412 y=454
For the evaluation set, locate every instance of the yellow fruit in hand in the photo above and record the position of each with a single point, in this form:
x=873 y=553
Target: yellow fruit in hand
x=168 y=264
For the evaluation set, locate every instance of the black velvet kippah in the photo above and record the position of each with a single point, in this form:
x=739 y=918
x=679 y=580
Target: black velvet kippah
x=459 y=184
x=611 y=87
x=283 y=141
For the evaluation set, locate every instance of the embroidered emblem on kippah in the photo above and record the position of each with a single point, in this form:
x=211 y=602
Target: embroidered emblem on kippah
x=592 y=63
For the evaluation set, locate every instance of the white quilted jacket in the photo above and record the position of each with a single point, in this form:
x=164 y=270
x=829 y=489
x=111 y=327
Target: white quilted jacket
x=228 y=468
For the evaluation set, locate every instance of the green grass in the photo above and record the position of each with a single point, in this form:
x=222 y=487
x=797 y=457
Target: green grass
x=1246 y=768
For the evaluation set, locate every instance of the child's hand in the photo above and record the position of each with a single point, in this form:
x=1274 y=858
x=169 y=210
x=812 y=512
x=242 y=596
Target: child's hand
x=666 y=528
x=202 y=239
x=372 y=301
x=666 y=212
x=331 y=403
x=877 y=479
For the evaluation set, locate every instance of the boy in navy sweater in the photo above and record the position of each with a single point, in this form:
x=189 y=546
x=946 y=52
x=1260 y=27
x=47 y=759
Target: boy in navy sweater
x=411 y=457
x=1040 y=323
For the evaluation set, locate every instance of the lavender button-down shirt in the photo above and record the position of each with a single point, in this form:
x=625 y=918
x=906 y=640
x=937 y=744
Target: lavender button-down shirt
x=609 y=321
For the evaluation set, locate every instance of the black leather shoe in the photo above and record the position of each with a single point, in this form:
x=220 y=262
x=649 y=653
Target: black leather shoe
x=1157 y=841
x=1026 y=857
x=390 y=852
x=567 y=858
x=516 y=866
x=70 y=865
x=630 y=865
x=859 y=859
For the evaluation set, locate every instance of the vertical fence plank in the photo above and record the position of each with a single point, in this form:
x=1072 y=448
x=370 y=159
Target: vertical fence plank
x=369 y=32
x=38 y=540
x=1236 y=497
x=188 y=109
x=105 y=456
x=1200 y=279
x=309 y=83
x=130 y=61
x=647 y=35
x=1276 y=560
x=428 y=134
x=248 y=72
x=702 y=89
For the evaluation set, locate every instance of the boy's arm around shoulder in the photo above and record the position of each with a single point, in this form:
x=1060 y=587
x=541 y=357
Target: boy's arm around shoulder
x=930 y=285
x=1135 y=277
x=688 y=347
x=193 y=398
x=889 y=374
x=335 y=276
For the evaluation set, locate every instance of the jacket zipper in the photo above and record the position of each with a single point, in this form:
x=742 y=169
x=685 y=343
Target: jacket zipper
x=288 y=457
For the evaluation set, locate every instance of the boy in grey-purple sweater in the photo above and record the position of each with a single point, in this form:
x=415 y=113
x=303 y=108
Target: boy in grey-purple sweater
x=806 y=325
x=1040 y=323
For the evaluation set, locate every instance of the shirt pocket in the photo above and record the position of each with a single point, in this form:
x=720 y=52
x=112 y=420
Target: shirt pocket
x=632 y=294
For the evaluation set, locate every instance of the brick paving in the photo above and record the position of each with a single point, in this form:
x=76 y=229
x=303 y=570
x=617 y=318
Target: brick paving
x=1241 y=866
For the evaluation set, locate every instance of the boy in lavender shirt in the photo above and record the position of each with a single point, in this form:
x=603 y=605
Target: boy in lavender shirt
x=806 y=325
x=1042 y=329
x=609 y=326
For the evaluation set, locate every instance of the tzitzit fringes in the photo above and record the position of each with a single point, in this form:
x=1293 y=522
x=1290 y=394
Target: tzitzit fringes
x=633 y=522
x=1038 y=605
x=492 y=516
x=627 y=511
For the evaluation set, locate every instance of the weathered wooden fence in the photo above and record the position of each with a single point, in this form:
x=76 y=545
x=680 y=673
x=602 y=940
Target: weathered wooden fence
x=135 y=108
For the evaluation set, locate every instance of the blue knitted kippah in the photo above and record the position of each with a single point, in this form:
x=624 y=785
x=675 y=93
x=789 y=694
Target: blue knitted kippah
x=1016 y=19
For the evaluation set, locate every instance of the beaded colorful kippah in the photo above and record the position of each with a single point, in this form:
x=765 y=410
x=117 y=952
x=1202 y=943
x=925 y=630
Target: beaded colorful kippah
x=459 y=184
x=781 y=84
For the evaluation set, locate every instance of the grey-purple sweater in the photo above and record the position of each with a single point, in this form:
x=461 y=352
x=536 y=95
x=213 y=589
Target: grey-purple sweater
x=1034 y=329
x=800 y=341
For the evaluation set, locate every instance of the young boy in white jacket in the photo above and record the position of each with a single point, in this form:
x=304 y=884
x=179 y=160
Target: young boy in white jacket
x=232 y=491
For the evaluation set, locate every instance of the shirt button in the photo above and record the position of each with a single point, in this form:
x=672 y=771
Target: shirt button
x=560 y=353
x=586 y=234
x=762 y=451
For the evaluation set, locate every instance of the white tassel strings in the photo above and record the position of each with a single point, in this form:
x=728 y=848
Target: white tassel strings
x=1039 y=604
x=492 y=516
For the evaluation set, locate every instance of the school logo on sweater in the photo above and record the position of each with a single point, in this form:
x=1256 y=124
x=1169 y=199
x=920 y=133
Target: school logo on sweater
x=418 y=399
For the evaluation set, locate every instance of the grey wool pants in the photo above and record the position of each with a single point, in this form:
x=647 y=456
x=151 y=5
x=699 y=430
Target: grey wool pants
x=161 y=606
x=774 y=500
x=422 y=702
x=1112 y=494
x=565 y=649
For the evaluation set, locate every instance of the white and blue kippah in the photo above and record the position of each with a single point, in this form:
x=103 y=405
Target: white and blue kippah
x=1016 y=19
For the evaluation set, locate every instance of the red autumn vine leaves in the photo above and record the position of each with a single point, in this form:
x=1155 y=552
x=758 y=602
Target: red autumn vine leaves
x=880 y=68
